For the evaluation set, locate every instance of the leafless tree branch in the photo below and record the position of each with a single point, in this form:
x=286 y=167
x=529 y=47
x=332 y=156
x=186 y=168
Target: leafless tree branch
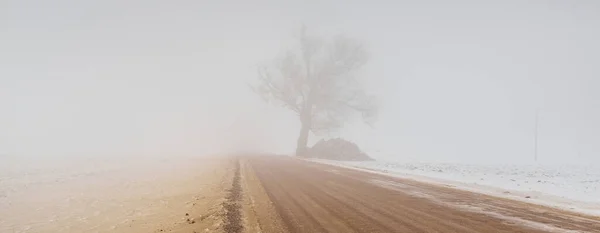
x=319 y=82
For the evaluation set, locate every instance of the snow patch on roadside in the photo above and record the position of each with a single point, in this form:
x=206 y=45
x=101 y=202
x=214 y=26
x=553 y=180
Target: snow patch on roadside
x=334 y=171
x=573 y=188
x=410 y=190
x=516 y=220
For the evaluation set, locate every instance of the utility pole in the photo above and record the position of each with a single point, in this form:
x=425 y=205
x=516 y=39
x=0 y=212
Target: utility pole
x=535 y=137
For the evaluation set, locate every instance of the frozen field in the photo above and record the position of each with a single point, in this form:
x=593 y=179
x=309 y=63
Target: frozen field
x=106 y=195
x=574 y=187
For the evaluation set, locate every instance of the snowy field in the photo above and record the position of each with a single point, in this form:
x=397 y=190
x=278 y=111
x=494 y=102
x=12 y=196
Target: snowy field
x=572 y=187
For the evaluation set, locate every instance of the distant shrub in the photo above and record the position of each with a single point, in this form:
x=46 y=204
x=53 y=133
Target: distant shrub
x=337 y=149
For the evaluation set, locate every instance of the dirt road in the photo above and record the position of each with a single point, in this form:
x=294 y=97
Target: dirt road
x=292 y=195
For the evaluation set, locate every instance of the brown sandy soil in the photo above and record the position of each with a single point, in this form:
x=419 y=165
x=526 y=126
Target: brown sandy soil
x=292 y=195
x=172 y=195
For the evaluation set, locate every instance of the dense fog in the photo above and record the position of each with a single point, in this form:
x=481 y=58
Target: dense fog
x=456 y=81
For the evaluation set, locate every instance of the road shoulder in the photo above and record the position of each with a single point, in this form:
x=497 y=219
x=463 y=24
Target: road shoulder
x=260 y=214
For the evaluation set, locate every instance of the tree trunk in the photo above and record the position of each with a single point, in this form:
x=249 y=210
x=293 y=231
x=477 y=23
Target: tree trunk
x=301 y=146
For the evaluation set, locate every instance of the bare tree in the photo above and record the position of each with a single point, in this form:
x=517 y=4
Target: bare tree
x=318 y=80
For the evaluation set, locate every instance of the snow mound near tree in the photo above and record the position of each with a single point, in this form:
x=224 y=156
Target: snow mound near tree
x=337 y=149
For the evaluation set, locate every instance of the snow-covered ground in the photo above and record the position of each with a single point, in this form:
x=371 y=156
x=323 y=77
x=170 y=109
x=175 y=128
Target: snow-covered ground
x=572 y=187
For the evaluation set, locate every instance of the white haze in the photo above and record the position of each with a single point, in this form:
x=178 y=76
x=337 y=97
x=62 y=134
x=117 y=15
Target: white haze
x=458 y=81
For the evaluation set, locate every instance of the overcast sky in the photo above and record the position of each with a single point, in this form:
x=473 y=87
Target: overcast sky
x=457 y=80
